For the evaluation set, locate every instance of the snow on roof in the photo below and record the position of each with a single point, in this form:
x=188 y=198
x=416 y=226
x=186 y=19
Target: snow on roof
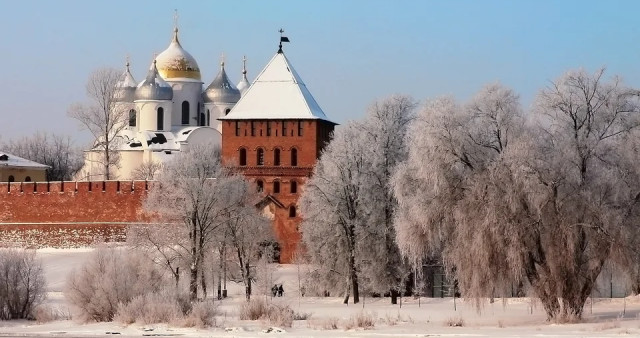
x=277 y=93
x=9 y=160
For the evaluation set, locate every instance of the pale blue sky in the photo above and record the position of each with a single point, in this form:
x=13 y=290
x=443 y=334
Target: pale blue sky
x=348 y=52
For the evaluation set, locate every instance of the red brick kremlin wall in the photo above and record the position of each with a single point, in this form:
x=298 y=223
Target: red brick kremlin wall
x=78 y=213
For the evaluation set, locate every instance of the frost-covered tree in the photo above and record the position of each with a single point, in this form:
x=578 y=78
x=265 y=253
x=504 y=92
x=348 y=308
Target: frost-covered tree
x=348 y=206
x=384 y=127
x=202 y=200
x=102 y=117
x=56 y=151
x=546 y=203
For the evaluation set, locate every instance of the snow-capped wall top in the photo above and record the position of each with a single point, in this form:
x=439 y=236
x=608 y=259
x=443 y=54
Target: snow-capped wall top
x=277 y=93
x=175 y=63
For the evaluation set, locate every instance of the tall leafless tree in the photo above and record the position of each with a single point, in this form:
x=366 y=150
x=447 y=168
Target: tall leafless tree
x=103 y=117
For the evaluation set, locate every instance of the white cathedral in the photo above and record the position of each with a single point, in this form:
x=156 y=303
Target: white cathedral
x=167 y=112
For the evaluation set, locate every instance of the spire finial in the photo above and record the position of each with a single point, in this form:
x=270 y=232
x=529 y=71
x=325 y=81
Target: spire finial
x=244 y=65
x=175 y=25
x=127 y=63
x=282 y=39
x=222 y=60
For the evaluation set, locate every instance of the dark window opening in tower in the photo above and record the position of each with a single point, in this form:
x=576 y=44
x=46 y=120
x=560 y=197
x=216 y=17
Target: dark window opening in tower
x=132 y=118
x=243 y=157
x=202 y=119
x=260 y=156
x=276 y=187
x=253 y=129
x=284 y=128
x=160 y=118
x=208 y=118
x=276 y=156
x=292 y=211
x=294 y=187
x=294 y=157
x=185 y=112
x=268 y=128
x=299 y=128
x=260 y=185
x=237 y=128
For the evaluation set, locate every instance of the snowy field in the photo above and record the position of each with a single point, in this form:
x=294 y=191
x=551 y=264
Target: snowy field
x=424 y=317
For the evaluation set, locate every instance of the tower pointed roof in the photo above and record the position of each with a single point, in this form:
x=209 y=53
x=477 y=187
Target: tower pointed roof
x=277 y=93
x=126 y=86
x=221 y=90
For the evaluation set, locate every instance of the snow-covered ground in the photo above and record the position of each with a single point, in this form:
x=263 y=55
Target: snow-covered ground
x=424 y=317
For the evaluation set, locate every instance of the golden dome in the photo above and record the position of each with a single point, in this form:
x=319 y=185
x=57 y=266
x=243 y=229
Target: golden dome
x=175 y=62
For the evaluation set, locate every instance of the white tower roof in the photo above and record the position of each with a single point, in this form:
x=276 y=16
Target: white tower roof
x=277 y=93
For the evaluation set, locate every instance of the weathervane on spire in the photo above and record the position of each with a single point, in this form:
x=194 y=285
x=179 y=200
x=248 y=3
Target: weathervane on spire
x=282 y=39
x=175 y=19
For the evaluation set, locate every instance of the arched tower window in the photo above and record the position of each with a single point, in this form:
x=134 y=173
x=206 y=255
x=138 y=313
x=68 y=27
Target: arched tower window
x=294 y=157
x=276 y=187
x=208 y=117
x=243 y=157
x=185 y=112
x=27 y=179
x=226 y=111
x=260 y=156
x=294 y=187
x=276 y=156
x=132 y=118
x=260 y=185
x=292 y=211
x=11 y=178
x=160 y=118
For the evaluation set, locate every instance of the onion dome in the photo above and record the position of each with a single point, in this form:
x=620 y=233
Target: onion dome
x=125 y=87
x=221 y=89
x=154 y=87
x=244 y=84
x=176 y=63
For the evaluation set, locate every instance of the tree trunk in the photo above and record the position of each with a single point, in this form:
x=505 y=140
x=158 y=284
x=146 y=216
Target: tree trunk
x=394 y=296
x=353 y=276
x=193 y=273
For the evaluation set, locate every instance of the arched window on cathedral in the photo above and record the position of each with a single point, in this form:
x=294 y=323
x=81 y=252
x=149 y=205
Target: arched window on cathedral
x=260 y=185
x=292 y=211
x=185 y=112
x=160 y=119
x=208 y=117
x=243 y=157
x=132 y=118
x=201 y=120
x=276 y=156
x=294 y=187
x=294 y=157
x=260 y=156
x=276 y=187
x=226 y=111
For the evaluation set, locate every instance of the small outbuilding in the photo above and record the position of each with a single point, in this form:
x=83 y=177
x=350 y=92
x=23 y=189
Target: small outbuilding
x=17 y=169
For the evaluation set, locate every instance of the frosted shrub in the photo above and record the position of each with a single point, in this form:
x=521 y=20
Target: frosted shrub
x=363 y=320
x=454 y=322
x=278 y=315
x=108 y=278
x=202 y=315
x=21 y=284
x=46 y=313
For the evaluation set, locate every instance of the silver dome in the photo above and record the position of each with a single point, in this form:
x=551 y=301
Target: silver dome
x=125 y=87
x=154 y=87
x=221 y=89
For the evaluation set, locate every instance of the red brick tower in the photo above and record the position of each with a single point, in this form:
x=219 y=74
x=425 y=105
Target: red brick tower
x=274 y=135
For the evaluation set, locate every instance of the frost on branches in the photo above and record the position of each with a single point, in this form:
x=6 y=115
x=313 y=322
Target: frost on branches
x=349 y=207
x=542 y=203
